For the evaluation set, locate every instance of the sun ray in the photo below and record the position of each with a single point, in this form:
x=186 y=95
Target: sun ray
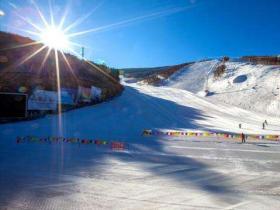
x=21 y=46
x=77 y=22
x=69 y=66
x=44 y=60
x=103 y=72
x=129 y=21
x=83 y=18
x=71 y=43
x=31 y=56
x=40 y=13
x=22 y=30
x=22 y=61
x=97 y=68
x=28 y=31
x=75 y=53
x=60 y=125
x=51 y=13
x=58 y=92
x=12 y=5
x=76 y=44
x=29 y=22
x=65 y=14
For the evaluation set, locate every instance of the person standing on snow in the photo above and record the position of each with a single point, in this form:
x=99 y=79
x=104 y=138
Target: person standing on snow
x=263 y=125
x=239 y=125
x=243 y=138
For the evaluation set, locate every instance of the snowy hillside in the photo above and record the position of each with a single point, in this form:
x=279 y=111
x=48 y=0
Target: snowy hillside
x=248 y=86
x=191 y=77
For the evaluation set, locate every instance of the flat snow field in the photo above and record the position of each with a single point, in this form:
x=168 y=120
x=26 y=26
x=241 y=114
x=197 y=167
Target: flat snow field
x=155 y=172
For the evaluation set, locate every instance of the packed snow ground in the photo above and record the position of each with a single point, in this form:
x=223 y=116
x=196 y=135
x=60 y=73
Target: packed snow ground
x=248 y=86
x=156 y=172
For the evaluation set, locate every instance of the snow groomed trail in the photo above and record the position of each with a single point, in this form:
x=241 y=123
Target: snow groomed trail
x=156 y=172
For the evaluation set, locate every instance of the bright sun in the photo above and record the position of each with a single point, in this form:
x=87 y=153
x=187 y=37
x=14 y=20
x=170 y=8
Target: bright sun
x=54 y=38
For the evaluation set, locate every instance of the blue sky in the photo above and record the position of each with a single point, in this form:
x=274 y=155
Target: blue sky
x=169 y=32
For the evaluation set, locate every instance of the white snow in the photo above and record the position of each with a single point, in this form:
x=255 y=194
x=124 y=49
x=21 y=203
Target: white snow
x=146 y=107
x=248 y=86
x=191 y=78
x=154 y=173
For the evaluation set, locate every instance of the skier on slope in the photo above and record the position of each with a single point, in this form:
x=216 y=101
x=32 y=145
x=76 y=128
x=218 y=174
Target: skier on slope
x=263 y=125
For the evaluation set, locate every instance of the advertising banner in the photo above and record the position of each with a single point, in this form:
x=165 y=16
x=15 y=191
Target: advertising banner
x=43 y=100
x=95 y=93
x=84 y=95
x=68 y=96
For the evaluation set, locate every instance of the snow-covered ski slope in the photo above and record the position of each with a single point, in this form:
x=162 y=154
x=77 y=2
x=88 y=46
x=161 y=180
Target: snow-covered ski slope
x=195 y=113
x=154 y=173
x=248 y=86
x=192 y=77
x=144 y=107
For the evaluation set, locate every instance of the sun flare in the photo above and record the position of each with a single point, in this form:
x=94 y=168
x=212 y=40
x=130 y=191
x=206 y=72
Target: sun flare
x=54 y=38
x=58 y=38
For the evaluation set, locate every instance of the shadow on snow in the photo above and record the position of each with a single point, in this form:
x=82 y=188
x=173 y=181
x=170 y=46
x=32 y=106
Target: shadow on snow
x=25 y=166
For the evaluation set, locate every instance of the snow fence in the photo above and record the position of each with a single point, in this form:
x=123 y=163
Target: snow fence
x=208 y=134
x=114 y=145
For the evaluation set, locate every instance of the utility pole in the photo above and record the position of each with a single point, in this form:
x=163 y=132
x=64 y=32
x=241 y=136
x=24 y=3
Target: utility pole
x=83 y=52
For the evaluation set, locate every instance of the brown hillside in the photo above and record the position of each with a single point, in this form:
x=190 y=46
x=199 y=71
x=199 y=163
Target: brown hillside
x=14 y=72
x=265 y=60
x=156 y=77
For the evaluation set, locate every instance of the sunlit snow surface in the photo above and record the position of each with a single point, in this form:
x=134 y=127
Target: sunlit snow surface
x=248 y=86
x=156 y=172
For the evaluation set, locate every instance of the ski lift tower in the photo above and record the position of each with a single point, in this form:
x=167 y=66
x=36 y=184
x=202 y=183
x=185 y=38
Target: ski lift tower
x=83 y=52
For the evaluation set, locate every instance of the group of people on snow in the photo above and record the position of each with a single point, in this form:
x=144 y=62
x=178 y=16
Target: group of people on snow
x=243 y=136
x=264 y=124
